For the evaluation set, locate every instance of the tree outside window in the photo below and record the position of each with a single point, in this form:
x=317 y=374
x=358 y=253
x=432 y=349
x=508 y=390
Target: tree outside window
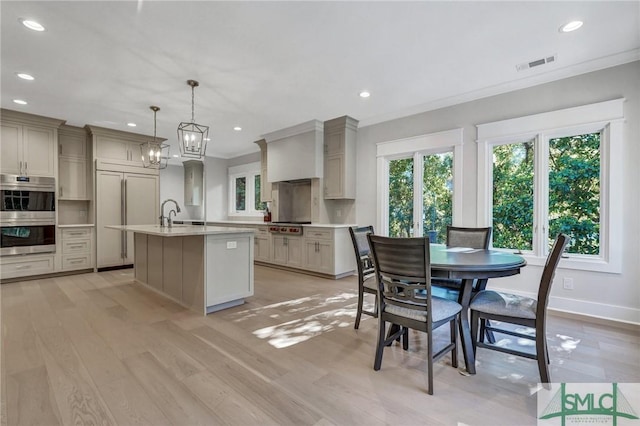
x=573 y=184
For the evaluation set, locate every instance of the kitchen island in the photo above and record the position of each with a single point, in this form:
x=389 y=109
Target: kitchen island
x=204 y=268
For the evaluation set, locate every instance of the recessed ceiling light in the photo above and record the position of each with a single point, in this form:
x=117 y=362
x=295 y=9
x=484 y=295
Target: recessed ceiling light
x=207 y=139
x=131 y=124
x=25 y=76
x=237 y=128
x=571 y=26
x=32 y=25
x=19 y=102
x=176 y=156
x=364 y=94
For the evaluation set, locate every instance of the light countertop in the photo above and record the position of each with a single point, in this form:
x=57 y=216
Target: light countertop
x=255 y=223
x=181 y=230
x=77 y=225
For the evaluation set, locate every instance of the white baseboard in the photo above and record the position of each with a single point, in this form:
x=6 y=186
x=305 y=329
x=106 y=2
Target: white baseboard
x=603 y=311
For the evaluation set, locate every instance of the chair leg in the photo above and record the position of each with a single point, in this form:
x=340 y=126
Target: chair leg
x=454 y=339
x=474 y=331
x=380 y=345
x=430 y=363
x=490 y=337
x=542 y=358
x=405 y=339
x=360 y=303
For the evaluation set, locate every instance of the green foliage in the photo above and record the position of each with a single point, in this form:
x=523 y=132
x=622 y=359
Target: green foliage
x=574 y=194
x=401 y=198
x=241 y=193
x=436 y=195
x=574 y=191
x=513 y=196
x=259 y=205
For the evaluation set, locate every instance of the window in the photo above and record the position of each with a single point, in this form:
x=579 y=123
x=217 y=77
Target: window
x=536 y=181
x=244 y=190
x=416 y=185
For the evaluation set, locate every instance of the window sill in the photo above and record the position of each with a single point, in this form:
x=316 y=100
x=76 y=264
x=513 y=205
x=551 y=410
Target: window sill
x=576 y=263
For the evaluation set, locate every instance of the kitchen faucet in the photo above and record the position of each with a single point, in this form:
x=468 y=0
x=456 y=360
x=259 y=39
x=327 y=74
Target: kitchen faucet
x=162 y=216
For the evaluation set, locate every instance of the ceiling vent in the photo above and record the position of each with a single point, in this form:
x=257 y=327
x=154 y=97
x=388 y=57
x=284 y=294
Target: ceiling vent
x=537 y=62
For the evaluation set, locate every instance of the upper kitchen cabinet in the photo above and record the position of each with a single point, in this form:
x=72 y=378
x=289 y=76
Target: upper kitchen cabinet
x=340 y=158
x=193 y=182
x=265 y=185
x=295 y=152
x=118 y=147
x=28 y=144
x=72 y=159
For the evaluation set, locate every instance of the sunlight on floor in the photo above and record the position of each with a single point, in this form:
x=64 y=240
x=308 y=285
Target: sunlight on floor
x=292 y=332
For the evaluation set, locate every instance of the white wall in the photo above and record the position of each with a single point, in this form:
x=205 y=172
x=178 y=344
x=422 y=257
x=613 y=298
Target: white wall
x=216 y=187
x=172 y=186
x=615 y=296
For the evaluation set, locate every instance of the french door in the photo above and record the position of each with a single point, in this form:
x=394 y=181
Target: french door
x=420 y=195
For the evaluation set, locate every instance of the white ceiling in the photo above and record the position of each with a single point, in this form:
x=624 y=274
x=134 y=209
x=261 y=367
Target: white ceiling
x=269 y=65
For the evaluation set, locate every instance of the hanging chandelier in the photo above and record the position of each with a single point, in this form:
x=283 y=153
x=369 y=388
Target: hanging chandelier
x=192 y=137
x=155 y=154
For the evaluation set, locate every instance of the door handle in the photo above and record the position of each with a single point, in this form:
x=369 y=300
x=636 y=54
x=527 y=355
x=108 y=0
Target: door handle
x=20 y=167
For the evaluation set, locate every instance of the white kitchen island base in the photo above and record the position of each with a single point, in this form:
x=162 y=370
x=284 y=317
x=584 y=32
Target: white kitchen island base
x=204 y=268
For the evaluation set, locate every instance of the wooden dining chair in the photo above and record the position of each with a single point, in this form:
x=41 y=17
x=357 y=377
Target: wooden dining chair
x=366 y=275
x=519 y=310
x=403 y=273
x=474 y=238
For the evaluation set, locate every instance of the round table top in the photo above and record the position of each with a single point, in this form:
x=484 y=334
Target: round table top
x=473 y=260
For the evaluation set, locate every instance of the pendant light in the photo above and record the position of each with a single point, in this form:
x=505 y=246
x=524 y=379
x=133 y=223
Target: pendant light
x=155 y=154
x=192 y=137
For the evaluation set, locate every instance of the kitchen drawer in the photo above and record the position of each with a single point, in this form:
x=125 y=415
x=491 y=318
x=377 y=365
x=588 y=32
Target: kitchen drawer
x=73 y=233
x=318 y=233
x=79 y=261
x=76 y=246
x=262 y=231
x=22 y=266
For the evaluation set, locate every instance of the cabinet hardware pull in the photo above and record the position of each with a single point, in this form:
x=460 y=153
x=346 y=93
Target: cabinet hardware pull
x=76 y=261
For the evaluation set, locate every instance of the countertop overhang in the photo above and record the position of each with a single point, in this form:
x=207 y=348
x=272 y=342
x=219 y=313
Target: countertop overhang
x=181 y=230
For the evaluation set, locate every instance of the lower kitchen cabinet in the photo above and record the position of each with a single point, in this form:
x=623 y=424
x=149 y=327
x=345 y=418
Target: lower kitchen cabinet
x=324 y=250
x=26 y=265
x=77 y=248
x=318 y=250
x=262 y=244
x=287 y=250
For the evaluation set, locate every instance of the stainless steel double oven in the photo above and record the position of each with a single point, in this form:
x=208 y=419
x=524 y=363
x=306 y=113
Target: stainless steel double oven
x=27 y=215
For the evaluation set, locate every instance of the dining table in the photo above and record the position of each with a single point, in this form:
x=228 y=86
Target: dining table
x=470 y=265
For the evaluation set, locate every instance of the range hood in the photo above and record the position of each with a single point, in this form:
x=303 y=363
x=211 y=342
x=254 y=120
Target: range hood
x=296 y=152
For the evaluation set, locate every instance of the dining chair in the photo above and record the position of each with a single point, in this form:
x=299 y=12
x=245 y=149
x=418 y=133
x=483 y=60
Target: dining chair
x=474 y=238
x=518 y=310
x=403 y=274
x=366 y=275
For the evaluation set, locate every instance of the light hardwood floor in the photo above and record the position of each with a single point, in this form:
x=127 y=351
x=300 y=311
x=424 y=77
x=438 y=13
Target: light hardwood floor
x=101 y=349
